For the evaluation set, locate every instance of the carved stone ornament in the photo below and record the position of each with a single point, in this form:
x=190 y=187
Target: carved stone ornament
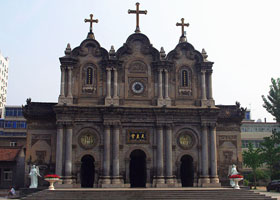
x=186 y=140
x=183 y=91
x=88 y=140
x=137 y=67
x=89 y=89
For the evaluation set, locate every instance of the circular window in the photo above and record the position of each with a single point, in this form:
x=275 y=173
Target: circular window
x=87 y=140
x=185 y=140
x=137 y=87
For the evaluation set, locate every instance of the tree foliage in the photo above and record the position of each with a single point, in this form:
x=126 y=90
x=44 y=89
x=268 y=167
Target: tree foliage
x=272 y=102
x=270 y=151
x=253 y=159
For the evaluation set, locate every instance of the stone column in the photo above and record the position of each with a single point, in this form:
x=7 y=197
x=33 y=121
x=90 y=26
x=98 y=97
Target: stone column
x=210 y=94
x=214 y=174
x=108 y=83
x=62 y=83
x=115 y=151
x=166 y=84
x=160 y=178
x=115 y=83
x=168 y=156
x=203 y=86
x=160 y=83
x=70 y=82
x=68 y=154
x=106 y=155
x=59 y=150
x=204 y=156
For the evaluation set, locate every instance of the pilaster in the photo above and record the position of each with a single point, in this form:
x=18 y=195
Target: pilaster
x=116 y=179
x=108 y=99
x=160 y=177
x=105 y=179
x=115 y=97
x=68 y=154
x=59 y=149
x=166 y=87
x=204 y=178
x=214 y=175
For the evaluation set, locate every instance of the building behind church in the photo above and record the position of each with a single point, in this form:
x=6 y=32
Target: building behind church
x=4 y=69
x=134 y=117
x=12 y=147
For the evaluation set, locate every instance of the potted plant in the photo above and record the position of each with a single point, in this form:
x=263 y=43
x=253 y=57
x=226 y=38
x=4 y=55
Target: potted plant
x=52 y=178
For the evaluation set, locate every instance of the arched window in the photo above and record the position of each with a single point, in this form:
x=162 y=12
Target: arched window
x=89 y=75
x=185 y=78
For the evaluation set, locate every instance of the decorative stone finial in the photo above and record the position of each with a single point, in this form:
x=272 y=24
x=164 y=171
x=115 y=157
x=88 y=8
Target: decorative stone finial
x=162 y=53
x=68 y=49
x=112 y=52
x=204 y=55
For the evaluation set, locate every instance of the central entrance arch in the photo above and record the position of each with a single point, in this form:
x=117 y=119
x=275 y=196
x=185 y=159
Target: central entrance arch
x=87 y=171
x=137 y=168
x=187 y=171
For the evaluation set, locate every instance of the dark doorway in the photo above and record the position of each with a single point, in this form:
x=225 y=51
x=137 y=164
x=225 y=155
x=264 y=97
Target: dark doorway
x=187 y=171
x=87 y=171
x=137 y=168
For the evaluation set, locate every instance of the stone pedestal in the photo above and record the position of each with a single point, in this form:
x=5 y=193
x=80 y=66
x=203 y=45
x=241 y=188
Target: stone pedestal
x=171 y=181
x=168 y=102
x=207 y=103
x=108 y=101
x=116 y=101
x=215 y=180
x=160 y=102
x=117 y=180
x=65 y=100
x=67 y=180
x=105 y=181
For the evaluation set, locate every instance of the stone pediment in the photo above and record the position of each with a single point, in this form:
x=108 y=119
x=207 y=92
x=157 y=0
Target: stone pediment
x=92 y=47
x=138 y=43
x=186 y=50
x=89 y=47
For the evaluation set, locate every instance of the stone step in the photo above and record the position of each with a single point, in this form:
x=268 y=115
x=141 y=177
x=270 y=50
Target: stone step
x=130 y=194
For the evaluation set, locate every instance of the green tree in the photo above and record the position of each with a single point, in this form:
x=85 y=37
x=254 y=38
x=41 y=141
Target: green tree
x=253 y=159
x=272 y=102
x=270 y=151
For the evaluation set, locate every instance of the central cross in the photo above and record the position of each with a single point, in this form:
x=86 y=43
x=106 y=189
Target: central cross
x=182 y=25
x=137 y=12
x=91 y=20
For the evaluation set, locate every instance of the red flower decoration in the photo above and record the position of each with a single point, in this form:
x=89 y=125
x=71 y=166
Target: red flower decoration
x=236 y=176
x=52 y=176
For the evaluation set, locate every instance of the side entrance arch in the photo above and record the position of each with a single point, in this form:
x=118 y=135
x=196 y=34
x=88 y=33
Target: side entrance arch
x=87 y=171
x=137 y=168
x=187 y=171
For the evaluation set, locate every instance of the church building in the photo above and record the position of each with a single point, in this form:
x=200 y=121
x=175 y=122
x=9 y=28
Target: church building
x=134 y=117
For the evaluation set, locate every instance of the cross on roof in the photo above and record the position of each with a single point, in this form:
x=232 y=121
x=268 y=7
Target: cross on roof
x=137 y=12
x=182 y=25
x=91 y=20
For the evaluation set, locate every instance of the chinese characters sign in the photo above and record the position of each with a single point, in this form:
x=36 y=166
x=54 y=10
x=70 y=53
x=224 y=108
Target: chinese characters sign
x=137 y=136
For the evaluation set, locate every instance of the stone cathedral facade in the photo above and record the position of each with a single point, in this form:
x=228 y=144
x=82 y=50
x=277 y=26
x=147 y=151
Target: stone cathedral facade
x=135 y=117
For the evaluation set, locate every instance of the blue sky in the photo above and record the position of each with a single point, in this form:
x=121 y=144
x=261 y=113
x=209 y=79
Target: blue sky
x=241 y=37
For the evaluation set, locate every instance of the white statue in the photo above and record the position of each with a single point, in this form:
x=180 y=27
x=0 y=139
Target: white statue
x=232 y=171
x=34 y=173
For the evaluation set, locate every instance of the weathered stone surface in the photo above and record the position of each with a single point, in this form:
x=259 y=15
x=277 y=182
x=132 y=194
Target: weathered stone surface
x=107 y=96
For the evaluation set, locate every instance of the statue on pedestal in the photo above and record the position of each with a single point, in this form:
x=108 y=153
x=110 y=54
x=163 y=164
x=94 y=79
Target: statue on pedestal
x=232 y=171
x=34 y=173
